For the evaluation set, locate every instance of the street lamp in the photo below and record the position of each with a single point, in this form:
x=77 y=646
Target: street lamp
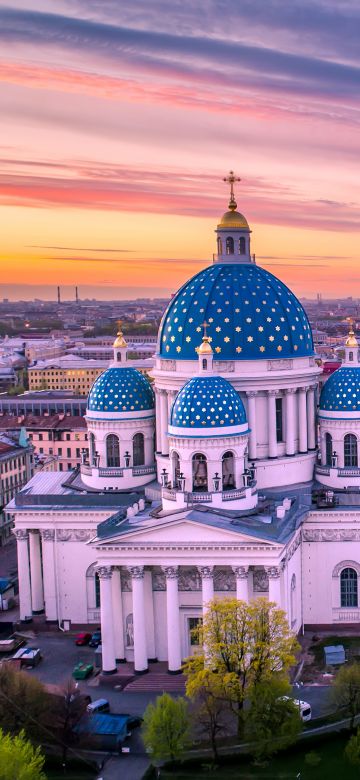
x=181 y=481
x=216 y=481
x=127 y=458
x=164 y=477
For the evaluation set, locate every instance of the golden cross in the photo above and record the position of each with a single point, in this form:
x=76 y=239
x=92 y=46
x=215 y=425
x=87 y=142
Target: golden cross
x=231 y=179
x=205 y=325
x=119 y=324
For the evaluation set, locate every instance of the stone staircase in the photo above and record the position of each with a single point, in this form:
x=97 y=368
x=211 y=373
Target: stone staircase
x=157 y=682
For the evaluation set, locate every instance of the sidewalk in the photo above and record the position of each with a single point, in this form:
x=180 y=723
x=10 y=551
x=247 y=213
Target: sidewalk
x=124 y=767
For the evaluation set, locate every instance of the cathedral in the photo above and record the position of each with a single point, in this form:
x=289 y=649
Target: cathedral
x=229 y=476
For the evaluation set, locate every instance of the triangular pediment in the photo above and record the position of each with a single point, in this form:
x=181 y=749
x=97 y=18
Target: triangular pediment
x=184 y=531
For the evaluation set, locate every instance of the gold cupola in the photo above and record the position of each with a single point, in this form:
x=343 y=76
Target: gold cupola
x=233 y=232
x=351 y=348
x=120 y=348
x=205 y=353
x=351 y=340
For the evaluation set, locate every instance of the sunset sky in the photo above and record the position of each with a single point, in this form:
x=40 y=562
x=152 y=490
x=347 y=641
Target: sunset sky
x=119 y=121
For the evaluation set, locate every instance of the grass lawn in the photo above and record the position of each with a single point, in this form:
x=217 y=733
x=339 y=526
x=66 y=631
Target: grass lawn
x=332 y=767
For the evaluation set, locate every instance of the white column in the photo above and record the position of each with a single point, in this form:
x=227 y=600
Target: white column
x=157 y=420
x=37 y=592
x=251 y=396
x=107 y=620
x=118 y=617
x=150 y=624
x=22 y=538
x=323 y=450
x=242 y=582
x=272 y=423
x=290 y=421
x=311 y=418
x=140 y=649
x=207 y=582
x=164 y=422
x=274 y=573
x=173 y=619
x=303 y=437
x=49 y=573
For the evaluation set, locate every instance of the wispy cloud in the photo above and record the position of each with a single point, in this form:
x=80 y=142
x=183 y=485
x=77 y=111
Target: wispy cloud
x=78 y=248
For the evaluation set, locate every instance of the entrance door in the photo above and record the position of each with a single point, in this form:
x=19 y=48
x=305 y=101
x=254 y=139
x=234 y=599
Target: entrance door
x=193 y=623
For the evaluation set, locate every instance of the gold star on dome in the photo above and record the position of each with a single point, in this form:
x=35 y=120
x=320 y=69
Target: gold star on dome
x=277 y=328
x=238 y=349
x=226 y=339
x=260 y=328
x=218 y=329
x=250 y=338
x=188 y=338
x=172 y=338
x=279 y=348
x=178 y=349
x=217 y=349
x=262 y=349
x=271 y=338
x=238 y=329
x=198 y=329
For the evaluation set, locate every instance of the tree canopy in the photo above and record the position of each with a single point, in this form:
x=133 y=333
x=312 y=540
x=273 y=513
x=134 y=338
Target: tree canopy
x=165 y=729
x=19 y=760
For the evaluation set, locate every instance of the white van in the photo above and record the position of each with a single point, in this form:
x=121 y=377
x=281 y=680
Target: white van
x=99 y=705
x=303 y=707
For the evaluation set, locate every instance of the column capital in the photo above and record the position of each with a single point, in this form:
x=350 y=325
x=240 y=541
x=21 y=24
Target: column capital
x=207 y=572
x=251 y=393
x=137 y=572
x=273 y=393
x=290 y=390
x=241 y=572
x=47 y=534
x=171 y=572
x=21 y=534
x=104 y=572
x=273 y=572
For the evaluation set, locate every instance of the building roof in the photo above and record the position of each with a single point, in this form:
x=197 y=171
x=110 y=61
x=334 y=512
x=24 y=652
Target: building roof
x=251 y=315
x=207 y=403
x=341 y=392
x=41 y=422
x=120 y=390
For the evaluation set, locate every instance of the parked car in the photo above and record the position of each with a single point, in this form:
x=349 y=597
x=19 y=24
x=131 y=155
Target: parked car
x=99 y=705
x=95 y=640
x=29 y=656
x=303 y=707
x=83 y=638
x=81 y=671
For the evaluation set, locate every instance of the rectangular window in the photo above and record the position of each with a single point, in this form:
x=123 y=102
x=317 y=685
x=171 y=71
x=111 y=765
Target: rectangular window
x=78 y=452
x=40 y=437
x=279 y=419
x=68 y=452
x=60 y=466
x=69 y=467
x=68 y=437
x=59 y=450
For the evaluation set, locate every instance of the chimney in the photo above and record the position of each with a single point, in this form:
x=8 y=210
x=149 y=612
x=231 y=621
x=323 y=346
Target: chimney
x=76 y=295
x=58 y=295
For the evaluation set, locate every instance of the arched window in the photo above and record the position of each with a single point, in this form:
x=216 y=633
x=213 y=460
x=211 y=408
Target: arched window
x=293 y=600
x=242 y=245
x=229 y=245
x=328 y=449
x=348 y=588
x=92 y=448
x=97 y=590
x=199 y=470
x=228 y=471
x=112 y=451
x=219 y=245
x=175 y=469
x=119 y=357
x=351 y=356
x=350 y=450
x=138 y=449
x=204 y=364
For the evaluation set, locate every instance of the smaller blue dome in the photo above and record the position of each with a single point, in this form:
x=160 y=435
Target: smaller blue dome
x=207 y=402
x=341 y=392
x=120 y=391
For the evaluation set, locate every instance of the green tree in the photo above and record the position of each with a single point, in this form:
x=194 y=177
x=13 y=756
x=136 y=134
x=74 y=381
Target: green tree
x=273 y=721
x=244 y=645
x=166 y=727
x=24 y=704
x=346 y=691
x=68 y=708
x=352 y=750
x=205 y=690
x=19 y=760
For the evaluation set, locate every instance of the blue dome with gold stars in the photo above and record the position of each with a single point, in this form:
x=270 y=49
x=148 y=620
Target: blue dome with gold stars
x=206 y=404
x=120 y=392
x=341 y=392
x=250 y=313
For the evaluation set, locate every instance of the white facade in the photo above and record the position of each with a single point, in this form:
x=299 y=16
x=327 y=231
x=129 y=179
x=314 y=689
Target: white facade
x=207 y=502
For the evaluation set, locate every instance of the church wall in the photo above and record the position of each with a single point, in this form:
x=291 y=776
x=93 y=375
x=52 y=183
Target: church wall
x=72 y=561
x=292 y=597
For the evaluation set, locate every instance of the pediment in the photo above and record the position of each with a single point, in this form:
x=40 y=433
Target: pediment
x=185 y=531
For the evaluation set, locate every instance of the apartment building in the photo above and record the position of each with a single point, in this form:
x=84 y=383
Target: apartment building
x=74 y=373
x=16 y=468
x=59 y=436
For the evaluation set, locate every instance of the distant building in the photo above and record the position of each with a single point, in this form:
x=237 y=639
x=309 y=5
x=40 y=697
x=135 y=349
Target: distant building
x=16 y=468
x=52 y=436
x=74 y=373
x=43 y=402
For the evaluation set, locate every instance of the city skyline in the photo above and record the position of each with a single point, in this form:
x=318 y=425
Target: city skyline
x=119 y=124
